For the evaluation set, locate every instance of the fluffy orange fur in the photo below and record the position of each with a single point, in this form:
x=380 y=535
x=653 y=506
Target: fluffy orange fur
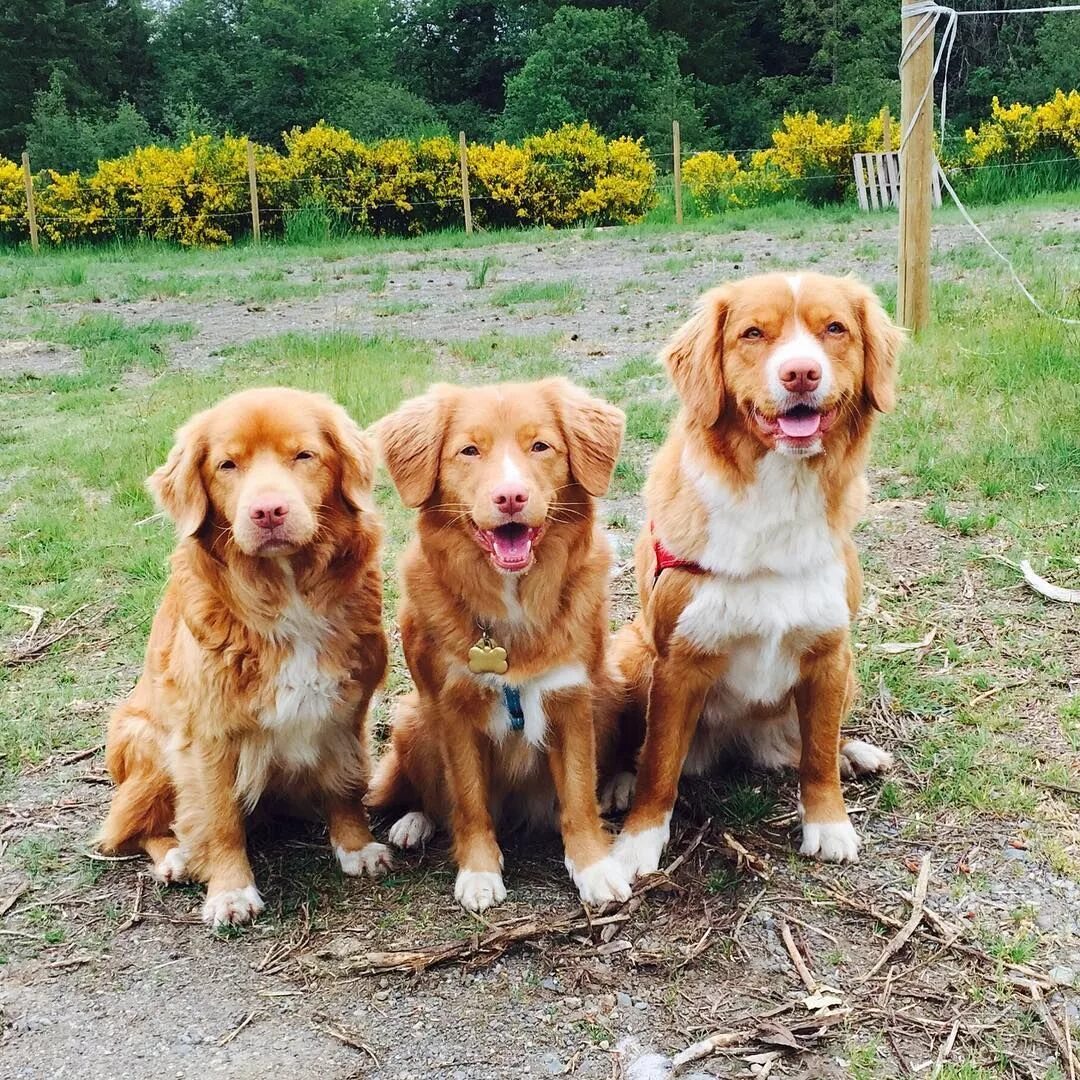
x=724 y=469
x=452 y=756
x=265 y=651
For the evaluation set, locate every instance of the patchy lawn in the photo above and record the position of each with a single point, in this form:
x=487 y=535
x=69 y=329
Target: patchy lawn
x=972 y=679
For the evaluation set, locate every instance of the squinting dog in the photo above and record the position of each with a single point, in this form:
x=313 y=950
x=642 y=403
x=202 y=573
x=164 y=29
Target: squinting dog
x=504 y=624
x=265 y=651
x=747 y=572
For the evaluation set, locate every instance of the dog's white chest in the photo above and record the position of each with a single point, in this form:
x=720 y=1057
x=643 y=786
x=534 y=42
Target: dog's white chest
x=304 y=695
x=532 y=723
x=777 y=580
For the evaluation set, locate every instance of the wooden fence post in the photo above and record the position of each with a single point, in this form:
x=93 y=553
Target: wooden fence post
x=916 y=176
x=886 y=130
x=676 y=156
x=465 y=200
x=253 y=190
x=31 y=212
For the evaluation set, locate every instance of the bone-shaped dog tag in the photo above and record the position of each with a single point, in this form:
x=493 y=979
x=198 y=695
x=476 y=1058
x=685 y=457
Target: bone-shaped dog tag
x=487 y=658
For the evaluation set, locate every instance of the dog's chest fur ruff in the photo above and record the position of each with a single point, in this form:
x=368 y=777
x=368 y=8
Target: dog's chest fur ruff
x=776 y=580
x=299 y=731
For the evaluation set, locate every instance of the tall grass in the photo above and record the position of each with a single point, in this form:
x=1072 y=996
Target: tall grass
x=1002 y=183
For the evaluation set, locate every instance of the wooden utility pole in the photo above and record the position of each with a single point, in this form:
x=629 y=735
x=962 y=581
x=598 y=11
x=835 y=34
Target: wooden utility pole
x=916 y=176
x=31 y=212
x=253 y=190
x=676 y=157
x=466 y=202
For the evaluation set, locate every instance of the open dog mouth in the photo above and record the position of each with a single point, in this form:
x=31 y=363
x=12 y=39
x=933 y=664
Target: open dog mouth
x=801 y=423
x=510 y=546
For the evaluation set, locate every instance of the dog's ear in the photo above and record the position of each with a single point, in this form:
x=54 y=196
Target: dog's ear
x=593 y=430
x=410 y=440
x=356 y=456
x=177 y=486
x=694 y=357
x=882 y=340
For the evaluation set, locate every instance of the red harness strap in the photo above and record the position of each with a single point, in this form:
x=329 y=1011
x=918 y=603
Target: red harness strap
x=666 y=561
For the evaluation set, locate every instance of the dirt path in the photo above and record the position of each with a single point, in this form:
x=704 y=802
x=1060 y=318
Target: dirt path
x=108 y=975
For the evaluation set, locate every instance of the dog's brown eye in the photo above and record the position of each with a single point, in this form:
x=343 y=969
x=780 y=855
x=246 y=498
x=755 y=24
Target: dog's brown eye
x=752 y=332
x=540 y=447
x=227 y=464
x=835 y=328
x=471 y=451
x=304 y=455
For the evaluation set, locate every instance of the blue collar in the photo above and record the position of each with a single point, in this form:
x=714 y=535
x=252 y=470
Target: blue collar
x=512 y=701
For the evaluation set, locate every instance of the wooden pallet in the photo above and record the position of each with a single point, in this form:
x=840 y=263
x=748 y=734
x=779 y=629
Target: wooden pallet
x=877 y=180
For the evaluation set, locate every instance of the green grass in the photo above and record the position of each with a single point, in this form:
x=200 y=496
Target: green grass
x=559 y=297
x=76 y=455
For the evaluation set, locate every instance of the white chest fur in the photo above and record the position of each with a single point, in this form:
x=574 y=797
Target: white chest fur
x=777 y=579
x=532 y=694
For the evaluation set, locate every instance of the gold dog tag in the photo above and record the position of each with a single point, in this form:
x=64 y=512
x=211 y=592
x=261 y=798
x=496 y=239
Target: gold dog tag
x=487 y=658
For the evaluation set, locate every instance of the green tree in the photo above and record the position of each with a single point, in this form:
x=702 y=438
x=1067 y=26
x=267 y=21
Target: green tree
x=607 y=67
x=100 y=48
x=373 y=109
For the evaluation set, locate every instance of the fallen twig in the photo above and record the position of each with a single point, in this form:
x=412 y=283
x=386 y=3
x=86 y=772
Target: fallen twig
x=228 y=1038
x=136 y=909
x=796 y=958
x=946 y=1050
x=328 y=1027
x=1062 y=1041
x=909 y=928
x=1045 y=588
x=9 y=902
x=705 y=1047
x=897 y=648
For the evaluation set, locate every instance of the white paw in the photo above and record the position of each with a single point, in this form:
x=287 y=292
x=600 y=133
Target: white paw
x=231 y=907
x=411 y=830
x=477 y=890
x=639 y=853
x=618 y=793
x=858 y=758
x=171 y=869
x=600 y=883
x=832 y=841
x=372 y=859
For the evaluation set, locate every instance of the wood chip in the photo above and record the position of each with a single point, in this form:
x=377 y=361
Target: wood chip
x=1045 y=588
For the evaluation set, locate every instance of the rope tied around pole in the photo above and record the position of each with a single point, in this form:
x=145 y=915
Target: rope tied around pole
x=928 y=12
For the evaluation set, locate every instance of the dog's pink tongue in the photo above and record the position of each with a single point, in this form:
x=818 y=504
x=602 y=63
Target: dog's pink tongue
x=511 y=546
x=800 y=427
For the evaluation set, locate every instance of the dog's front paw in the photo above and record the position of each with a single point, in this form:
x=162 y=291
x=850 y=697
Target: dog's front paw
x=601 y=883
x=477 y=890
x=232 y=907
x=858 y=758
x=171 y=868
x=638 y=853
x=830 y=841
x=372 y=859
x=618 y=793
x=411 y=830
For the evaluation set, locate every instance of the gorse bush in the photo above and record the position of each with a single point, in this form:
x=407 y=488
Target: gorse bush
x=197 y=193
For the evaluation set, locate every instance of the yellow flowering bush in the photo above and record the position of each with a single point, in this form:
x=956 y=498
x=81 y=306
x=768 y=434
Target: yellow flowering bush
x=718 y=182
x=1017 y=133
x=12 y=202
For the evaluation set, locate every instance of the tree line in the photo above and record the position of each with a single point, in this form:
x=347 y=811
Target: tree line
x=83 y=79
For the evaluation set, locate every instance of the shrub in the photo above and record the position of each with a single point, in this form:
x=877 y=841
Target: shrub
x=1019 y=132
x=12 y=202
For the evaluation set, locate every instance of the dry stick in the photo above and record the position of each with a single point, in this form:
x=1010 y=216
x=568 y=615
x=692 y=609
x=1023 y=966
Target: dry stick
x=466 y=202
x=1062 y=1043
x=7 y=904
x=253 y=191
x=136 y=909
x=800 y=965
x=909 y=928
x=226 y=1039
x=1068 y=1040
x=343 y=1036
x=31 y=212
x=704 y=1048
x=946 y=1050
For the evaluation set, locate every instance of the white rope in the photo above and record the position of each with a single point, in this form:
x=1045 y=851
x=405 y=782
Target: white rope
x=928 y=12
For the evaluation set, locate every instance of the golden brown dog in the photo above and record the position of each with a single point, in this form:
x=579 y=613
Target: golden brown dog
x=266 y=649
x=504 y=623
x=747 y=572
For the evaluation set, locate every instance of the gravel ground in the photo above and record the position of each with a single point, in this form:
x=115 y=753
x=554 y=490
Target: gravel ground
x=110 y=976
